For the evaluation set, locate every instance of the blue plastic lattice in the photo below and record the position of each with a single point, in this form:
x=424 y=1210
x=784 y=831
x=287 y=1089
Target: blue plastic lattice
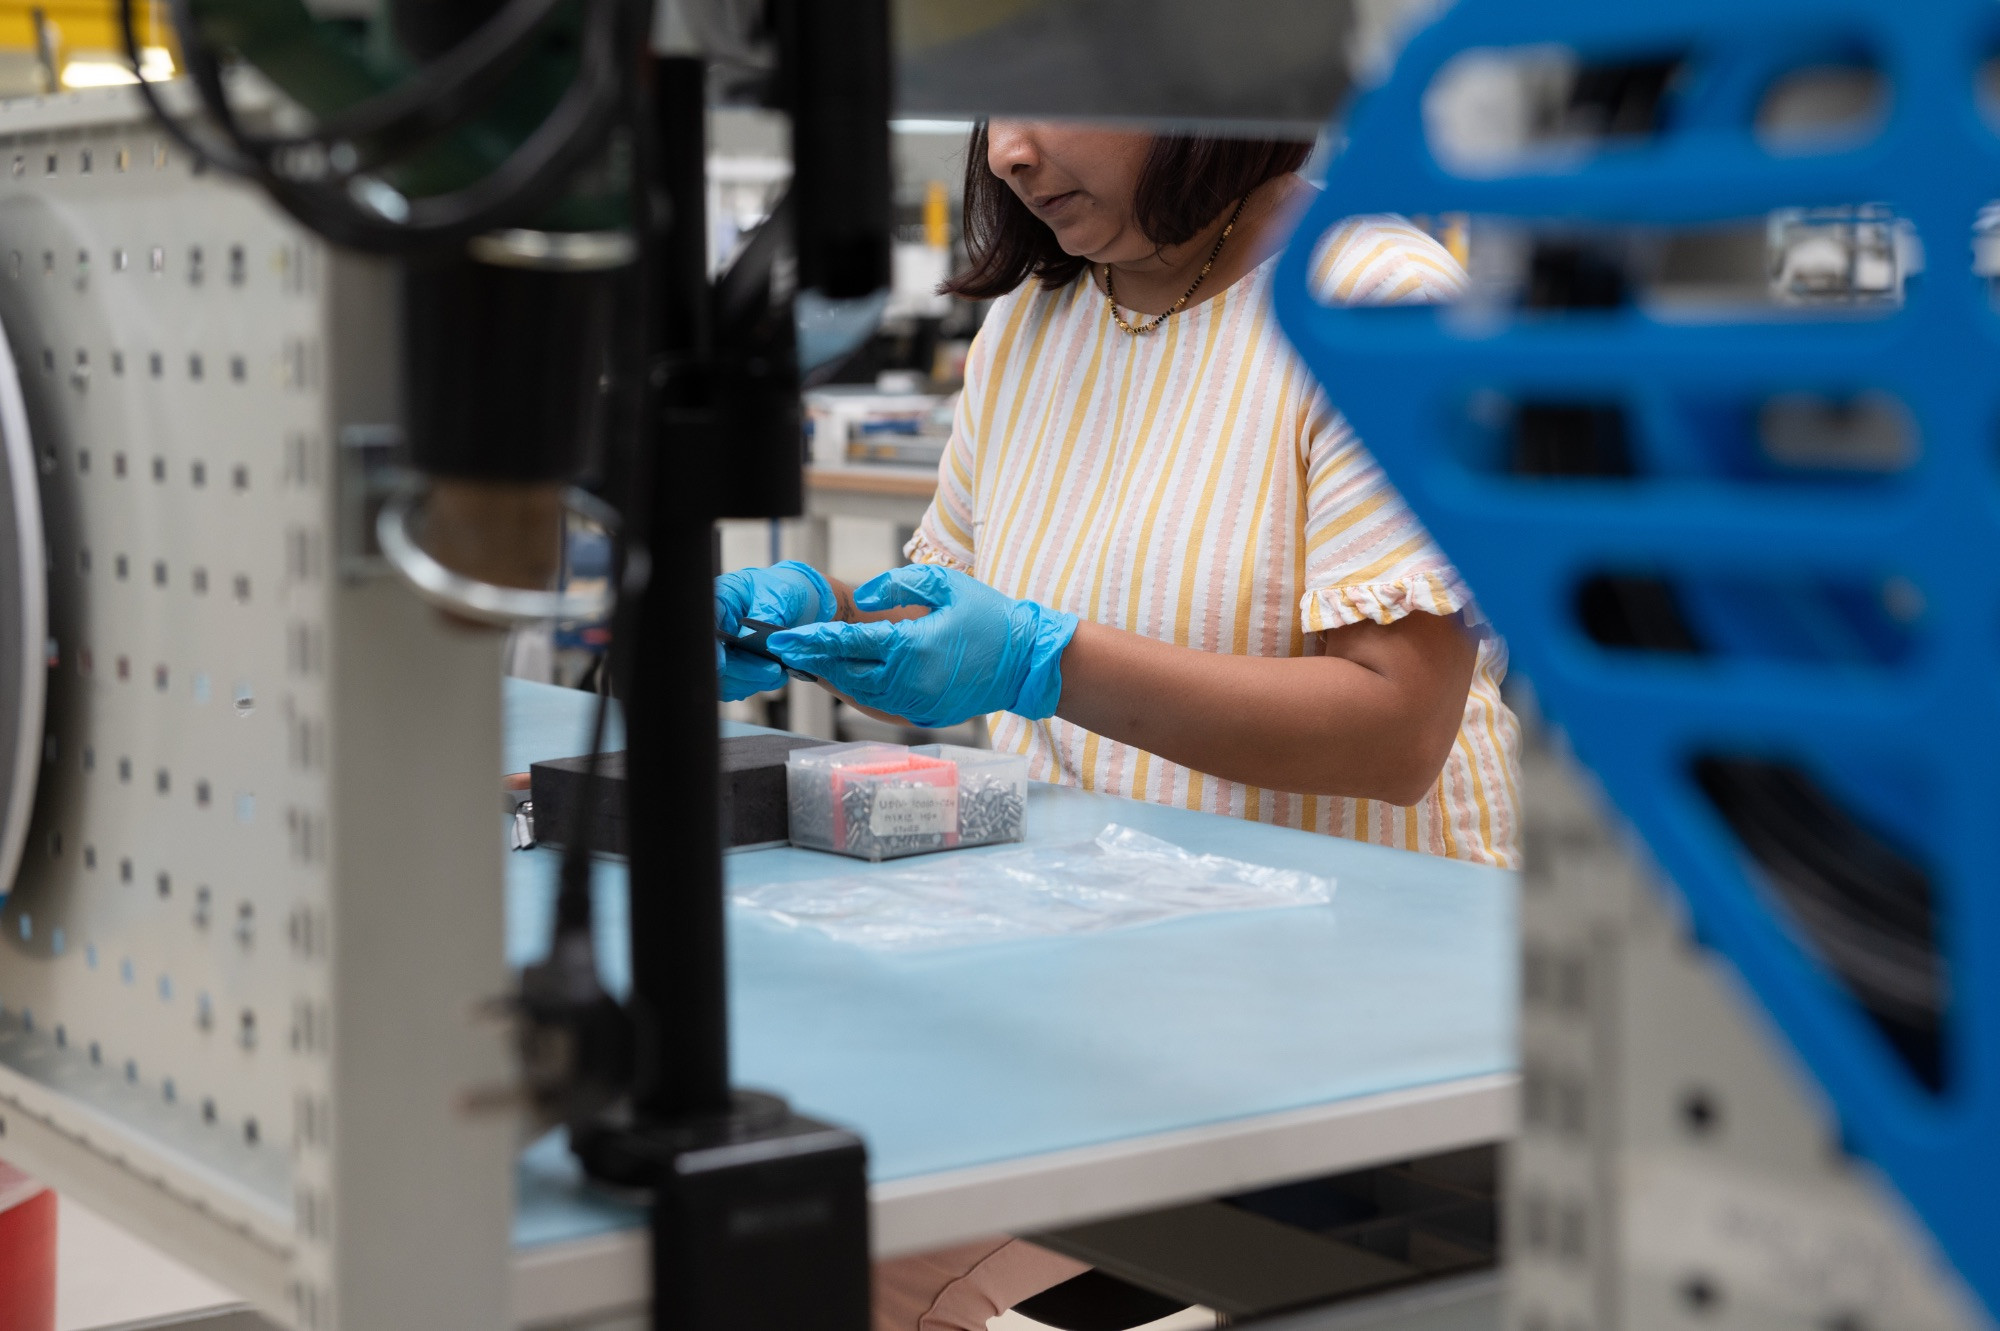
x=1911 y=734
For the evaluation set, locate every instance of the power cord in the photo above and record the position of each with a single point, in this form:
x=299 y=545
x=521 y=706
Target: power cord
x=329 y=179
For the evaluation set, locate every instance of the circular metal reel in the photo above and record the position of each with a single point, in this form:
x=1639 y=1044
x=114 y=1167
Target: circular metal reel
x=24 y=620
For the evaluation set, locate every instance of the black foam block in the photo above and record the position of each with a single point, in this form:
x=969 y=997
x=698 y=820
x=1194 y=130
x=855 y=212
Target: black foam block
x=753 y=794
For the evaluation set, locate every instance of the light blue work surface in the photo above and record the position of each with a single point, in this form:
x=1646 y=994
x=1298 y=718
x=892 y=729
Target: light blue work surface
x=950 y=1059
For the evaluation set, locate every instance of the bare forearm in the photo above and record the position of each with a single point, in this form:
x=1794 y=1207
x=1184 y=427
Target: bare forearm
x=851 y=614
x=1377 y=727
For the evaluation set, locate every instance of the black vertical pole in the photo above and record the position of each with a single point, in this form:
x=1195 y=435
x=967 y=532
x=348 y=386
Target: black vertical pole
x=760 y=1215
x=680 y=170
x=839 y=97
x=679 y=995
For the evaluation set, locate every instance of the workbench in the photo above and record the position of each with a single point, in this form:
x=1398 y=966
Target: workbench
x=870 y=490
x=1014 y=1086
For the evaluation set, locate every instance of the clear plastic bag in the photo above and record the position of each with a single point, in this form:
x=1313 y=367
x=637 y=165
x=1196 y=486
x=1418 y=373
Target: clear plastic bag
x=1121 y=879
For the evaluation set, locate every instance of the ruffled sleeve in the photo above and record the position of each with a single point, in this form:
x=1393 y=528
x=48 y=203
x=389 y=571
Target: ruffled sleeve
x=1367 y=556
x=921 y=549
x=1434 y=593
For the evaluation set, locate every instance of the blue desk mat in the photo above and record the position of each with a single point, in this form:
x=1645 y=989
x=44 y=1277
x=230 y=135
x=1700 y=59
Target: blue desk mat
x=951 y=1059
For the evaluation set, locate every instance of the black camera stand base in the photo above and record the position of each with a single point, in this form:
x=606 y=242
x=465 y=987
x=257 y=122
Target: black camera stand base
x=760 y=1216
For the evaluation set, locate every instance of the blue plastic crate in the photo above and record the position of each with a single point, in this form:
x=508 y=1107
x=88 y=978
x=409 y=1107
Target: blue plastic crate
x=1898 y=717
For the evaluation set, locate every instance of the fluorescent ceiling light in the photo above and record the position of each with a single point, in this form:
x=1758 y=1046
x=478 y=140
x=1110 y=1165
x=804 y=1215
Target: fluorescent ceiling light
x=104 y=70
x=932 y=126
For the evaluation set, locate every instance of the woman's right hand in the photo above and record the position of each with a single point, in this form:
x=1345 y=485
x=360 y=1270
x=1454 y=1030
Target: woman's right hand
x=973 y=649
x=788 y=595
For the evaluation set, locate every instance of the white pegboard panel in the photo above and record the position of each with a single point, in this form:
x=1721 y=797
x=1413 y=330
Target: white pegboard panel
x=1674 y=1168
x=180 y=1028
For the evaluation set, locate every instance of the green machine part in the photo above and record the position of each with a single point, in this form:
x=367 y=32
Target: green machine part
x=329 y=66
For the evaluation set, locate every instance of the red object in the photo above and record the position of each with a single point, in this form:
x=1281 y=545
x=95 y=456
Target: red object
x=918 y=770
x=27 y=1253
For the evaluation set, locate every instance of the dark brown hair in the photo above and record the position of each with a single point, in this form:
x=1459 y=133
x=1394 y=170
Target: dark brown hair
x=1184 y=185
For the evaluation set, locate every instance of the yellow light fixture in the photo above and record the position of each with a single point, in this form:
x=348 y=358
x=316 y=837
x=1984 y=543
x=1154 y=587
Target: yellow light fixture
x=937 y=215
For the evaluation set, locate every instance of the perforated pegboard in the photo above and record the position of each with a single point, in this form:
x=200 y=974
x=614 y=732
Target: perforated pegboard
x=178 y=1024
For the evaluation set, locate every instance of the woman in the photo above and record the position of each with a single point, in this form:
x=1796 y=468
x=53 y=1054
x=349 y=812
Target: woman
x=1158 y=554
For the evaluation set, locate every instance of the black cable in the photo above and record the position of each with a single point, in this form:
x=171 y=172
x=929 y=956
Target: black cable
x=1866 y=908
x=578 y=1041
x=529 y=177
x=1869 y=906
x=443 y=94
x=1864 y=905
x=222 y=157
x=440 y=95
x=574 y=908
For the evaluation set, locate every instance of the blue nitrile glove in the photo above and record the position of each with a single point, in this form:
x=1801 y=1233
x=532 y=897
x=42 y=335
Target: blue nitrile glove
x=977 y=651
x=788 y=594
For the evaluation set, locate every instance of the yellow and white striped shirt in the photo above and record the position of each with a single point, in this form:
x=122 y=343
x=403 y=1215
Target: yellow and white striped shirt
x=1195 y=485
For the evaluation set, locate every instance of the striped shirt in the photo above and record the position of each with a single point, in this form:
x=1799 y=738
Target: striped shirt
x=1194 y=485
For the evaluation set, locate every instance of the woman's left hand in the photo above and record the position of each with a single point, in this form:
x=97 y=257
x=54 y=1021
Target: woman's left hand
x=977 y=651
x=785 y=594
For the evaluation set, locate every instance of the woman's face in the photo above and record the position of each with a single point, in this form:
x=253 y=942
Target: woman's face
x=1078 y=181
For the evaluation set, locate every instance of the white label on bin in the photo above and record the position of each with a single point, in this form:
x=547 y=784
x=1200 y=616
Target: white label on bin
x=914 y=811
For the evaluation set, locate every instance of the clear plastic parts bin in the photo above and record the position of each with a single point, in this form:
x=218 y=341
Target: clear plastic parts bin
x=992 y=792
x=879 y=801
